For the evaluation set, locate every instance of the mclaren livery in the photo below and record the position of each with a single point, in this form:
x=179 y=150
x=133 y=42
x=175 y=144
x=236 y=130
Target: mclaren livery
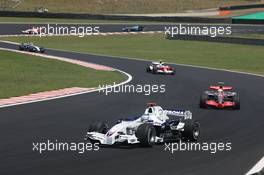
x=220 y=97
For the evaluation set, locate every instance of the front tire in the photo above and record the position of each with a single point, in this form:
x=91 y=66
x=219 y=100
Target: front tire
x=203 y=100
x=236 y=101
x=146 y=135
x=100 y=127
x=155 y=70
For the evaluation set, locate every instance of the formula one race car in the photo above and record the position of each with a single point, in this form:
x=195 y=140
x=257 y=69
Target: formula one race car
x=33 y=31
x=31 y=48
x=220 y=97
x=160 y=68
x=154 y=126
x=133 y=29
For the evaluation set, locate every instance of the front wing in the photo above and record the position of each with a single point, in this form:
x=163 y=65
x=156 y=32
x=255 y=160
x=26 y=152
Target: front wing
x=111 y=140
x=226 y=104
x=106 y=140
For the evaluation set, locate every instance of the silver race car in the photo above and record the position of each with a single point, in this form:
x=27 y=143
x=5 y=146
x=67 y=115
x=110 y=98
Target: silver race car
x=154 y=126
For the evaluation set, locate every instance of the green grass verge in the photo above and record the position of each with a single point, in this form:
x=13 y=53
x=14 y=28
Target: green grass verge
x=125 y=6
x=24 y=74
x=250 y=36
x=237 y=57
x=24 y=20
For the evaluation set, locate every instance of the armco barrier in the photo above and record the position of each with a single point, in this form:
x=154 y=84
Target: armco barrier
x=241 y=7
x=233 y=40
x=114 y=17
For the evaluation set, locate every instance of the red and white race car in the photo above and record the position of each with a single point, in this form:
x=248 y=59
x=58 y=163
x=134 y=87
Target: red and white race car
x=160 y=68
x=33 y=31
x=220 y=97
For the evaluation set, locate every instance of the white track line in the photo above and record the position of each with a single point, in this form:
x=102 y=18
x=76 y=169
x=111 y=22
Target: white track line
x=72 y=94
x=93 y=34
x=257 y=169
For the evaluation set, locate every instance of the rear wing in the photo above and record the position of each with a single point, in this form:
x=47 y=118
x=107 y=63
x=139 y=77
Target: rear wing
x=225 y=88
x=179 y=113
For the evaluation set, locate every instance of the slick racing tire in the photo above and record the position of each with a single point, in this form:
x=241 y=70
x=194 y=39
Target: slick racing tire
x=203 y=100
x=100 y=127
x=191 y=130
x=155 y=70
x=146 y=135
x=236 y=101
x=148 y=69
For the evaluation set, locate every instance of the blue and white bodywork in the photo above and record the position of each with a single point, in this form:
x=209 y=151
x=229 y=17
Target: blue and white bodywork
x=133 y=29
x=154 y=126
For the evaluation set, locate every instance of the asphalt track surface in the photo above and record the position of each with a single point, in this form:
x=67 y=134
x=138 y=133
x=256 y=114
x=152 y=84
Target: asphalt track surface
x=67 y=120
x=11 y=29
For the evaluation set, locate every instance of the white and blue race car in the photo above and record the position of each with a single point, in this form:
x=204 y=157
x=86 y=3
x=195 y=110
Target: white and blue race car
x=154 y=126
x=30 y=47
x=133 y=29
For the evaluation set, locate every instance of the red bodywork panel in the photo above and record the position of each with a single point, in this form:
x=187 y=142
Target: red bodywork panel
x=165 y=68
x=218 y=105
x=225 y=88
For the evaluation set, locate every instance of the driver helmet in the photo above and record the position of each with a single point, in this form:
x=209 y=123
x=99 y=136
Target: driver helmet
x=220 y=90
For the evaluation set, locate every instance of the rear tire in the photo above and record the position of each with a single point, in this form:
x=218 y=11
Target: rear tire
x=191 y=130
x=146 y=135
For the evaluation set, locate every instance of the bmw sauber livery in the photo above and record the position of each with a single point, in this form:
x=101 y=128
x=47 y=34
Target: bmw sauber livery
x=133 y=29
x=31 y=48
x=154 y=126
